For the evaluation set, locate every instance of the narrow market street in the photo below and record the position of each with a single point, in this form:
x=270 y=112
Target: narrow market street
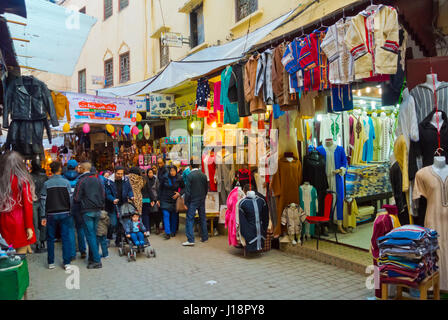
x=189 y=273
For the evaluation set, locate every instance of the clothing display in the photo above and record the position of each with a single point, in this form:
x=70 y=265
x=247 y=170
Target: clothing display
x=422 y=98
x=350 y=213
x=340 y=61
x=372 y=38
x=293 y=217
x=313 y=166
x=341 y=98
x=285 y=185
x=428 y=143
x=61 y=105
x=280 y=80
x=264 y=76
x=377 y=142
x=209 y=169
x=368 y=180
x=253 y=220
x=217 y=106
x=367 y=155
x=256 y=102
x=358 y=139
x=202 y=97
x=309 y=203
x=407 y=119
x=231 y=213
x=429 y=184
x=230 y=106
x=28 y=101
x=335 y=160
x=224 y=174
x=400 y=180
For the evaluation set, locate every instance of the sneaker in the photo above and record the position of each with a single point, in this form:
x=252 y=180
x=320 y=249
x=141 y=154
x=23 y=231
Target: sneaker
x=67 y=267
x=166 y=236
x=95 y=265
x=188 y=244
x=83 y=255
x=106 y=257
x=51 y=266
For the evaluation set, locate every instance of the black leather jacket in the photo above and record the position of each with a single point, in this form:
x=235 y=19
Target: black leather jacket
x=28 y=99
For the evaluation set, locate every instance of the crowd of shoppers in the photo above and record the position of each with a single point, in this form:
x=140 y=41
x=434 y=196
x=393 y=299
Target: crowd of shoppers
x=81 y=207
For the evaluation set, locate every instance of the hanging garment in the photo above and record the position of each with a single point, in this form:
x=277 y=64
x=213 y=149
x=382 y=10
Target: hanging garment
x=293 y=218
x=285 y=183
x=407 y=119
x=350 y=213
x=209 y=169
x=61 y=105
x=386 y=126
x=224 y=174
x=231 y=215
x=272 y=204
x=236 y=90
x=400 y=180
x=428 y=143
x=287 y=137
x=202 y=96
x=372 y=39
x=253 y=221
x=335 y=159
x=280 y=80
x=316 y=78
x=423 y=99
x=217 y=106
x=313 y=166
x=264 y=76
x=245 y=176
x=377 y=143
x=341 y=98
x=256 y=103
x=368 y=146
x=230 y=108
x=309 y=202
x=429 y=184
x=340 y=61
x=308 y=104
x=331 y=128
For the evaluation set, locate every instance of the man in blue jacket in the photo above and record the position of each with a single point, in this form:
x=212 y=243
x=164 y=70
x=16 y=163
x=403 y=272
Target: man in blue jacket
x=72 y=174
x=118 y=192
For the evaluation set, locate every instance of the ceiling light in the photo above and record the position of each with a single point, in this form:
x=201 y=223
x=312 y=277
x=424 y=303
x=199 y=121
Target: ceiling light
x=368 y=89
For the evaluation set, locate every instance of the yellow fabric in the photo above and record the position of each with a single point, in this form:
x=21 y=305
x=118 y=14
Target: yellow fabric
x=349 y=220
x=360 y=139
x=395 y=221
x=401 y=155
x=308 y=131
x=61 y=105
x=377 y=142
x=299 y=127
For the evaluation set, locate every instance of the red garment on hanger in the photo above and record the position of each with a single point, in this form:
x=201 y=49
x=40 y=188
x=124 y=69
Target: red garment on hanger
x=209 y=160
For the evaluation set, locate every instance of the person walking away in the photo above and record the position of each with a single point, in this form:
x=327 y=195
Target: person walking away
x=39 y=178
x=136 y=231
x=136 y=180
x=101 y=233
x=90 y=195
x=150 y=209
x=195 y=195
x=118 y=192
x=16 y=203
x=170 y=189
x=77 y=232
x=55 y=202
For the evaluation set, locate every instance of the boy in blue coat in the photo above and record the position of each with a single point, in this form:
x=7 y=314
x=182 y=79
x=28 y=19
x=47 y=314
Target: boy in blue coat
x=135 y=230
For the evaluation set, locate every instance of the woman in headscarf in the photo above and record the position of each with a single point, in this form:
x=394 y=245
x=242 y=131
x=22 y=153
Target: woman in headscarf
x=17 y=193
x=171 y=188
x=137 y=183
x=151 y=213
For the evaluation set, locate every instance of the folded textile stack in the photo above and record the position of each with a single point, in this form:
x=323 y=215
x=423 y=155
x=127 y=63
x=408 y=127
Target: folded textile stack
x=408 y=255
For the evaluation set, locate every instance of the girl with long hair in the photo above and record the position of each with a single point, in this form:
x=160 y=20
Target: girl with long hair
x=17 y=193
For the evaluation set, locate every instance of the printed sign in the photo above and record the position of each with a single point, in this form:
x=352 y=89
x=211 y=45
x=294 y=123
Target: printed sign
x=86 y=108
x=98 y=80
x=163 y=105
x=176 y=140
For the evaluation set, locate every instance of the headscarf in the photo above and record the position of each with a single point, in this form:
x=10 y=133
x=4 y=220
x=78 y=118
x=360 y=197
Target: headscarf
x=401 y=155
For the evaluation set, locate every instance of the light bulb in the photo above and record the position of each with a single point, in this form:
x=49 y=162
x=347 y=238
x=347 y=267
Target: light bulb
x=192 y=125
x=380 y=91
x=368 y=89
x=214 y=124
x=359 y=93
x=319 y=117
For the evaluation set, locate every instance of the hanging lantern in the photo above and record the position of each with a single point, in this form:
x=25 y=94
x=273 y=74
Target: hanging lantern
x=135 y=130
x=140 y=132
x=66 y=127
x=86 y=128
x=146 y=132
x=127 y=129
x=138 y=117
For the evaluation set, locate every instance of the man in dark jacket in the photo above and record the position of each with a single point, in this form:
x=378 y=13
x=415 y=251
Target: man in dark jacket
x=89 y=193
x=39 y=178
x=118 y=192
x=195 y=200
x=55 y=201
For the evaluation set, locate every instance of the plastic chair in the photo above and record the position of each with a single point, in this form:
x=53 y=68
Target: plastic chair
x=328 y=213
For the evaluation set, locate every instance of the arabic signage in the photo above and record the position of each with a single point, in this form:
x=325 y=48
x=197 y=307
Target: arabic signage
x=86 y=108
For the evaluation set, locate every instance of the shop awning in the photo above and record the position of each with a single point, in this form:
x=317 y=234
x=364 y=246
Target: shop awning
x=198 y=63
x=50 y=38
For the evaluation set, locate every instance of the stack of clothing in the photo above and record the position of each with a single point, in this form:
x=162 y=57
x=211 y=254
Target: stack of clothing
x=408 y=255
x=368 y=180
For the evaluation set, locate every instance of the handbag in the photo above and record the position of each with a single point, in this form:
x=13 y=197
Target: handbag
x=180 y=205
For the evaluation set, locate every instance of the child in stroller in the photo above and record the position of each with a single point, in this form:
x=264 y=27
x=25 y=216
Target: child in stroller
x=136 y=235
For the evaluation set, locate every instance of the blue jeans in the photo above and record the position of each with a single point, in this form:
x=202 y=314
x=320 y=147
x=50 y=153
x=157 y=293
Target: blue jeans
x=191 y=212
x=90 y=226
x=170 y=221
x=65 y=222
x=81 y=238
x=103 y=242
x=138 y=238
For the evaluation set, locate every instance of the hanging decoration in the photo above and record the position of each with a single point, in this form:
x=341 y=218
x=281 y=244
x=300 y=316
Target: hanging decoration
x=66 y=127
x=147 y=132
x=127 y=129
x=86 y=128
x=110 y=128
x=135 y=130
x=138 y=117
x=140 y=130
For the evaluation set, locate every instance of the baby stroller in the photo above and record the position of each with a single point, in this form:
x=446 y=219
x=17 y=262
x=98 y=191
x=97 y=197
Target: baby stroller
x=127 y=247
